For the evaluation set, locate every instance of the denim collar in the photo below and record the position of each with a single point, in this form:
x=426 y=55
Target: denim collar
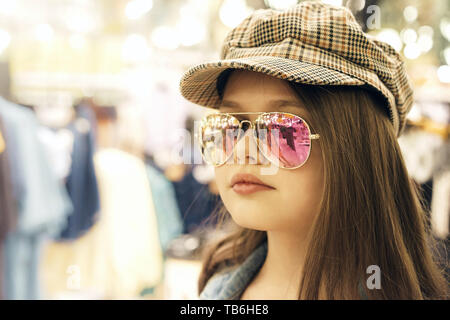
x=230 y=285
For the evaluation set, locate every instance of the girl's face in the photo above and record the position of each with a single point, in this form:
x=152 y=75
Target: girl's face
x=292 y=200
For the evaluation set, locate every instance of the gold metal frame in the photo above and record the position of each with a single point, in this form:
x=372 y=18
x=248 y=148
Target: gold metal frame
x=252 y=125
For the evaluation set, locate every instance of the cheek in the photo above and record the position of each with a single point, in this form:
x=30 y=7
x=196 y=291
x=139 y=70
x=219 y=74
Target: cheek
x=302 y=191
x=300 y=195
x=292 y=206
x=221 y=177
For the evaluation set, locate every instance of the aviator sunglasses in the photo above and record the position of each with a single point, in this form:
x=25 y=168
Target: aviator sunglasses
x=283 y=138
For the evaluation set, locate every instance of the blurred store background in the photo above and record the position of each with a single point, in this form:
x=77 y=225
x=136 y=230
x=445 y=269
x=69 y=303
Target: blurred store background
x=96 y=202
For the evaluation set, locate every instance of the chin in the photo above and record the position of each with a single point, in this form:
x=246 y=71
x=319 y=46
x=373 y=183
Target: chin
x=252 y=212
x=250 y=218
x=252 y=225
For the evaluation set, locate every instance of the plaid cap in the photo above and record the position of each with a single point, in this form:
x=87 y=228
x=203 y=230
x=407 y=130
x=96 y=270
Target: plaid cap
x=311 y=43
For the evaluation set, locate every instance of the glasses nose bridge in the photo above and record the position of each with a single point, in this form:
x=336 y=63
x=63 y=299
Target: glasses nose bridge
x=248 y=151
x=250 y=123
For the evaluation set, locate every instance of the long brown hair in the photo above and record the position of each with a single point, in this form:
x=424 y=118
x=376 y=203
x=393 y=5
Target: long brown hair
x=372 y=212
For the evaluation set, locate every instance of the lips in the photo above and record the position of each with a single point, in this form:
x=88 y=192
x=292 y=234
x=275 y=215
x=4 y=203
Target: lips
x=247 y=183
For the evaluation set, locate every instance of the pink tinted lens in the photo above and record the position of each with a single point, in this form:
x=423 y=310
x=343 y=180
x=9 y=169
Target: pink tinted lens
x=284 y=138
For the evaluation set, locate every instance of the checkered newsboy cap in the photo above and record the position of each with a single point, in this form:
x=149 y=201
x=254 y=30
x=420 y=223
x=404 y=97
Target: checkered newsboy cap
x=311 y=43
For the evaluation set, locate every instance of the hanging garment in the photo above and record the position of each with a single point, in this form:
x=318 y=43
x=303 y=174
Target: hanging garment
x=43 y=204
x=82 y=182
x=121 y=254
x=170 y=224
x=58 y=147
x=195 y=201
x=8 y=207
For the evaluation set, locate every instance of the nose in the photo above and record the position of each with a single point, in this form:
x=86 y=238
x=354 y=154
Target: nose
x=246 y=150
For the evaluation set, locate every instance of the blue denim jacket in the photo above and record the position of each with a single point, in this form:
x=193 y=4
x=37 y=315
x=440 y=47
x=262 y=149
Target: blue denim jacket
x=229 y=285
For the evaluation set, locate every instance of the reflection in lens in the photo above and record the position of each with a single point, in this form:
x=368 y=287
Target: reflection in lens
x=284 y=138
x=219 y=134
x=212 y=138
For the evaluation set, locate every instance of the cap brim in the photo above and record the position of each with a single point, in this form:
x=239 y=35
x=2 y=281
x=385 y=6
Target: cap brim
x=198 y=84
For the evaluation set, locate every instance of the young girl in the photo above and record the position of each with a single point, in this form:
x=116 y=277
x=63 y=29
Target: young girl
x=307 y=163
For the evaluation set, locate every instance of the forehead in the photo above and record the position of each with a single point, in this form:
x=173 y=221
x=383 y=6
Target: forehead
x=248 y=91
